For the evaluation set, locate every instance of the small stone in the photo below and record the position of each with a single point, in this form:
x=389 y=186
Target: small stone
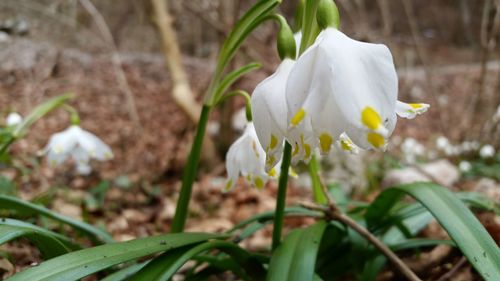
x=442 y=170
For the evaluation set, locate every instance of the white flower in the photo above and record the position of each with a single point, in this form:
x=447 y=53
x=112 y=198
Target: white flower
x=270 y=113
x=247 y=158
x=297 y=36
x=464 y=166
x=13 y=119
x=411 y=149
x=487 y=151
x=340 y=85
x=442 y=143
x=78 y=144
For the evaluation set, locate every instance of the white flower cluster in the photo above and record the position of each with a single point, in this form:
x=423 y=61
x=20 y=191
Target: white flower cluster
x=449 y=149
x=339 y=91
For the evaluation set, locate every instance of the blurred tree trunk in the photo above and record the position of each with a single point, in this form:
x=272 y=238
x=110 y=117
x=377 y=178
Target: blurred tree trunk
x=181 y=92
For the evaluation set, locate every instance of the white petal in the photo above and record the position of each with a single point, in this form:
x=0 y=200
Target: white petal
x=94 y=146
x=410 y=110
x=346 y=144
x=60 y=145
x=83 y=169
x=270 y=113
x=358 y=77
x=246 y=157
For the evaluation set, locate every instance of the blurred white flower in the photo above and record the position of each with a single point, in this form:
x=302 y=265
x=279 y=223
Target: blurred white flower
x=247 y=158
x=411 y=149
x=496 y=116
x=83 y=169
x=78 y=144
x=343 y=86
x=13 y=119
x=464 y=166
x=487 y=151
x=442 y=143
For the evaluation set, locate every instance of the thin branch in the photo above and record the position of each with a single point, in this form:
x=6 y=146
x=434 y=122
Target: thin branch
x=453 y=270
x=115 y=59
x=181 y=92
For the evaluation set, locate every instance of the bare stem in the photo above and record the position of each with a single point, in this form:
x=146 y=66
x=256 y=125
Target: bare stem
x=115 y=60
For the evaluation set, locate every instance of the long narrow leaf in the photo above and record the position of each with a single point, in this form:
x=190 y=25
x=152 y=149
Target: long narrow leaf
x=49 y=246
x=36 y=230
x=165 y=266
x=462 y=226
x=13 y=203
x=125 y=273
x=233 y=76
x=238 y=34
x=295 y=258
x=82 y=263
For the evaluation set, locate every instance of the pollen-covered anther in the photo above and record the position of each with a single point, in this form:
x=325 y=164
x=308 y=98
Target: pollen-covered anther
x=259 y=182
x=325 y=142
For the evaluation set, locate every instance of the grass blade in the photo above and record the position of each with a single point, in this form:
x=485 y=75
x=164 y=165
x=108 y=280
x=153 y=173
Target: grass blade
x=13 y=203
x=460 y=223
x=82 y=263
x=295 y=258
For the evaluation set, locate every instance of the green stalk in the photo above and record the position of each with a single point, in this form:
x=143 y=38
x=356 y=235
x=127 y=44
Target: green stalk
x=313 y=168
x=189 y=174
x=281 y=198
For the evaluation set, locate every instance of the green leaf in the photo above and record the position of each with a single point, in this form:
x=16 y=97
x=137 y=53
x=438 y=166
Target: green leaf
x=479 y=201
x=462 y=226
x=233 y=76
x=6 y=186
x=240 y=31
x=267 y=216
x=418 y=243
x=124 y=273
x=295 y=258
x=165 y=266
x=82 y=263
x=12 y=203
x=50 y=244
x=39 y=112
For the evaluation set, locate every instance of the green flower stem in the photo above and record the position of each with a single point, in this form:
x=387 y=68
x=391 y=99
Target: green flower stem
x=281 y=198
x=189 y=175
x=248 y=101
x=313 y=168
x=74 y=117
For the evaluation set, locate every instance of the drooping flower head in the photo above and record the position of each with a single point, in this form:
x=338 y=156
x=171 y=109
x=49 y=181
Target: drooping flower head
x=247 y=158
x=78 y=144
x=343 y=87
